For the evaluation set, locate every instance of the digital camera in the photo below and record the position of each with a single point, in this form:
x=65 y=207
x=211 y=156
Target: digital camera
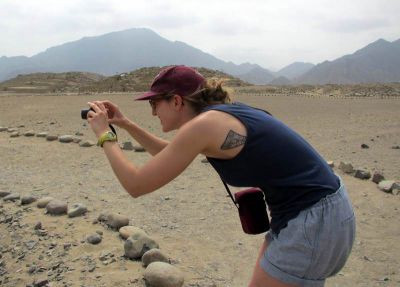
x=85 y=112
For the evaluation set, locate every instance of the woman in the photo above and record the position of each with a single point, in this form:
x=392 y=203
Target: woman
x=312 y=221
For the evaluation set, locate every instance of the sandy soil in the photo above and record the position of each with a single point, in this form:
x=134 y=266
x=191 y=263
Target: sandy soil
x=192 y=219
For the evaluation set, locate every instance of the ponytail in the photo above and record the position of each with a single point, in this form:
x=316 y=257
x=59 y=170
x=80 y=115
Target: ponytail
x=211 y=94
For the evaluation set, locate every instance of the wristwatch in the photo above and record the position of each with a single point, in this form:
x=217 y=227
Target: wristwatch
x=108 y=136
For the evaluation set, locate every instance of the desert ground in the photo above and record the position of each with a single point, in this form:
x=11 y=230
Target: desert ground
x=192 y=219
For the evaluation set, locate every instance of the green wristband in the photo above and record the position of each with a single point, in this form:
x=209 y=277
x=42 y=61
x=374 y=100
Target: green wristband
x=108 y=136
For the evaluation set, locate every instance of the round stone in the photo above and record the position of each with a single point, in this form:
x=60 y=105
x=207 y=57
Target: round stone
x=162 y=274
x=44 y=201
x=116 y=221
x=127 y=146
x=154 y=255
x=51 y=137
x=386 y=185
x=41 y=135
x=27 y=199
x=77 y=210
x=4 y=193
x=127 y=231
x=135 y=247
x=86 y=144
x=66 y=139
x=57 y=207
x=94 y=239
x=11 y=197
x=29 y=134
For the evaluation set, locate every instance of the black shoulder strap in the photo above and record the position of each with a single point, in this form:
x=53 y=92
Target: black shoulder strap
x=229 y=192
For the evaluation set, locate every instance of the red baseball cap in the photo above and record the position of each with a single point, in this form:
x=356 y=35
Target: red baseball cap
x=181 y=80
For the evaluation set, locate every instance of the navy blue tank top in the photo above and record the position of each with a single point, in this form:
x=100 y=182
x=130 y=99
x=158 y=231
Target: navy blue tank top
x=279 y=161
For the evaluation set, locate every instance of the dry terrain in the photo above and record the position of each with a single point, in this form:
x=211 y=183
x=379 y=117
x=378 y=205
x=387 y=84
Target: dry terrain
x=192 y=219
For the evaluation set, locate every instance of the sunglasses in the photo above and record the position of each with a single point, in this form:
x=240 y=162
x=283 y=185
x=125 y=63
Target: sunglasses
x=153 y=102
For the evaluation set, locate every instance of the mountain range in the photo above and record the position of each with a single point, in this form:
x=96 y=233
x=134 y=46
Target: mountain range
x=378 y=62
x=128 y=50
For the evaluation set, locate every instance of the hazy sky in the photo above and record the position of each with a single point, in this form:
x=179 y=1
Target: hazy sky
x=270 y=33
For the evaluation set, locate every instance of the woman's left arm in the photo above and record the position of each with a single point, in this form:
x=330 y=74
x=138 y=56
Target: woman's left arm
x=190 y=140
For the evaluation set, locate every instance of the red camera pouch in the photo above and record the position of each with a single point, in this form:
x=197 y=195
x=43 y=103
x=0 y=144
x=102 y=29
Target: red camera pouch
x=252 y=210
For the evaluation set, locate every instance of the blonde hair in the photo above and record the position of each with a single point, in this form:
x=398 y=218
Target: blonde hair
x=211 y=93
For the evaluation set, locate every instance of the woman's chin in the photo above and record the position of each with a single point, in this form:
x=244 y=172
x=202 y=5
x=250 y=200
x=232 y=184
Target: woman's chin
x=165 y=129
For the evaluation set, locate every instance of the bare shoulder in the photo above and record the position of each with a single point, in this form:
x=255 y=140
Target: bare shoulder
x=212 y=121
x=214 y=117
x=196 y=133
x=202 y=126
x=221 y=134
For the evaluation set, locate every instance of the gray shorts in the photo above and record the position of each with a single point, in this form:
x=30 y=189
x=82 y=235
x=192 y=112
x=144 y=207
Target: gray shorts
x=315 y=244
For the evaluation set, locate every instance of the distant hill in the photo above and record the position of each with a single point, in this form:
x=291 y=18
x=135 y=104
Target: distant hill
x=140 y=80
x=257 y=76
x=294 y=70
x=378 y=62
x=136 y=81
x=115 y=53
x=13 y=66
x=280 y=81
x=49 y=82
x=370 y=90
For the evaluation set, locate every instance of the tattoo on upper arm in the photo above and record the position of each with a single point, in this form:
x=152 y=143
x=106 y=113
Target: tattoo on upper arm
x=232 y=140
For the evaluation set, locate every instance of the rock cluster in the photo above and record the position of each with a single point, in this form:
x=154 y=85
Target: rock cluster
x=67 y=138
x=389 y=186
x=137 y=244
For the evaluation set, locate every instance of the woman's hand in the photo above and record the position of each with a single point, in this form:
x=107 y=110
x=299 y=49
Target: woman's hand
x=98 y=118
x=114 y=114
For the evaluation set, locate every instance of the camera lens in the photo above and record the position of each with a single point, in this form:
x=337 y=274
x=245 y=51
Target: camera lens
x=85 y=112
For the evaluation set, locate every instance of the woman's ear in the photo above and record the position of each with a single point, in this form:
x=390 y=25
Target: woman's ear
x=178 y=102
